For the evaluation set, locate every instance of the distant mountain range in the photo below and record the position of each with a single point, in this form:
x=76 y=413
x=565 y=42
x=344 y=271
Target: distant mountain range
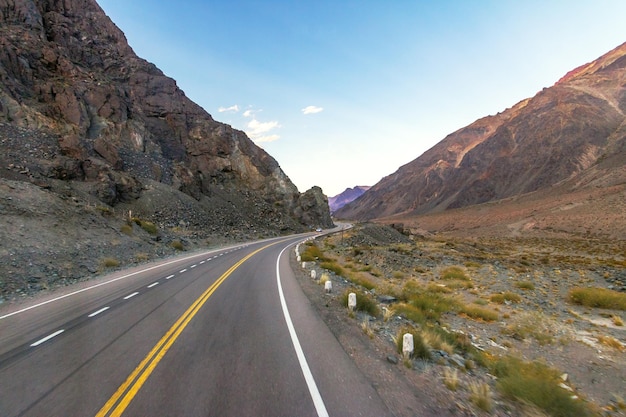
x=347 y=196
x=565 y=131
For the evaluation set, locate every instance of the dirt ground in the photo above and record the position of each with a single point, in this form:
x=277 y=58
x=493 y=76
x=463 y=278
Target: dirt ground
x=569 y=338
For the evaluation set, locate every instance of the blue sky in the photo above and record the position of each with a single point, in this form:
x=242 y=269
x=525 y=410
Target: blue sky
x=342 y=93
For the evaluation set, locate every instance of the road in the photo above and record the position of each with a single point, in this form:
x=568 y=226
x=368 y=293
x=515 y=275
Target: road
x=219 y=333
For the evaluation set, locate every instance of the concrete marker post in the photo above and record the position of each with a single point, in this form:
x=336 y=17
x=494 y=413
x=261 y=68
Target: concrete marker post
x=352 y=301
x=328 y=286
x=407 y=345
x=313 y=274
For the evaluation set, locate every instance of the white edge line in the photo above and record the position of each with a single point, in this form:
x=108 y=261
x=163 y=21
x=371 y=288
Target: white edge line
x=131 y=295
x=96 y=286
x=45 y=339
x=95 y=313
x=308 y=376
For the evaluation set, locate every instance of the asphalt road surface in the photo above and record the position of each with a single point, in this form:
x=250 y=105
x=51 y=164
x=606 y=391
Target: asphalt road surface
x=219 y=333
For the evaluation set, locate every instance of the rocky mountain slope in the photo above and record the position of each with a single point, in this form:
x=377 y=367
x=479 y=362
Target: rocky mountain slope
x=559 y=134
x=347 y=196
x=94 y=137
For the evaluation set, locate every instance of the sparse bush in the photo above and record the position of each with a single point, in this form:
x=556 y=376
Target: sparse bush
x=479 y=313
x=149 y=227
x=611 y=342
x=127 y=229
x=617 y=320
x=334 y=267
x=538 y=384
x=388 y=313
x=451 y=378
x=480 y=395
x=312 y=253
x=109 y=263
x=324 y=278
x=104 y=210
x=533 y=324
x=433 y=304
x=420 y=350
x=141 y=257
x=598 y=297
x=505 y=296
x=410 y=312
x=361 y=280
x=367 y=329
x=454 y=273
x=525 y=285
x=177 y=244
x=364 y=302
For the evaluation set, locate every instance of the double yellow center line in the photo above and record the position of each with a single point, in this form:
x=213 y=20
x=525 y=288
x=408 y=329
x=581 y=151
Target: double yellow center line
x=116 y=405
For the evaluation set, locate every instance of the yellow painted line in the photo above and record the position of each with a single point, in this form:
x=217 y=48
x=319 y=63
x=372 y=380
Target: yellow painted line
x=127 y=391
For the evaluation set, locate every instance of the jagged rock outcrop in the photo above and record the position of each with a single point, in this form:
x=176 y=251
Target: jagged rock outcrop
x=540 y=142
x=308 y=208
x=118 y=123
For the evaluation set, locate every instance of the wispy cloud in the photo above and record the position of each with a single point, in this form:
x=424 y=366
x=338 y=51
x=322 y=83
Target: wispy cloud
x=248 y=113
x=312 y=110
x=231 y=109
x=261 y=131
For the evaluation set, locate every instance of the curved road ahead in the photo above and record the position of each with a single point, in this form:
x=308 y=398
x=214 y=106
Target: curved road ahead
x=219 y=333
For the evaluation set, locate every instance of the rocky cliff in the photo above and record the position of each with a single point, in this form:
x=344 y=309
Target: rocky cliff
x=86 y=123
x=68 y=71
x=557 y=135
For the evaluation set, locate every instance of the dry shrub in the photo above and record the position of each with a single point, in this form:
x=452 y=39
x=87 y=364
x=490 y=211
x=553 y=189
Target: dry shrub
x=611 y=342
x=479 y=313
x=536 y=325
x=504 y=297
x=538 y=384
x=480 y=395
x=598 y=297
x=451 y=378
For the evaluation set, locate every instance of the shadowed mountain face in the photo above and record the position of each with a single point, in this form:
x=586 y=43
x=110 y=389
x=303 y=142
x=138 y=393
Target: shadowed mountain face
x=116 y=123
x=555 y=136
x=347 y=196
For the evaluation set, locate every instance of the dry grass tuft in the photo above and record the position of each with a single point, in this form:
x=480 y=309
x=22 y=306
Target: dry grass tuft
x=480 y=395
x=598 y=297
x=611 y=342
x=451 y=378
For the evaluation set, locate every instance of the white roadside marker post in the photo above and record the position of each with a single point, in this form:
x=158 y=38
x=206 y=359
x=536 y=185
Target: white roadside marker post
x=313 y=274
x=352 y=301
x=328 y=286
x=407 y=345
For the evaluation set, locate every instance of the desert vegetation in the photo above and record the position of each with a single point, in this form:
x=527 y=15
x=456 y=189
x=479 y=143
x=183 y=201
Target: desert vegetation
x=512 y=326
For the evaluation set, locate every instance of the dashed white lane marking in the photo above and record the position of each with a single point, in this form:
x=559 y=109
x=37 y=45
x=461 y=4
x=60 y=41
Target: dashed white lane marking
x=201 y=262
x=169 y=277
x=131 y=295
x=45 y=339
x=193 y=266
x=95 y=313
x=182 y=270
x=154 y=284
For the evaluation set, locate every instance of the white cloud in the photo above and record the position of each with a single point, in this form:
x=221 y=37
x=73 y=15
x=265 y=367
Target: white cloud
x=259 y=131
x=266 y=139
x=231 y=109
x=248 y=113
x=312 y=110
